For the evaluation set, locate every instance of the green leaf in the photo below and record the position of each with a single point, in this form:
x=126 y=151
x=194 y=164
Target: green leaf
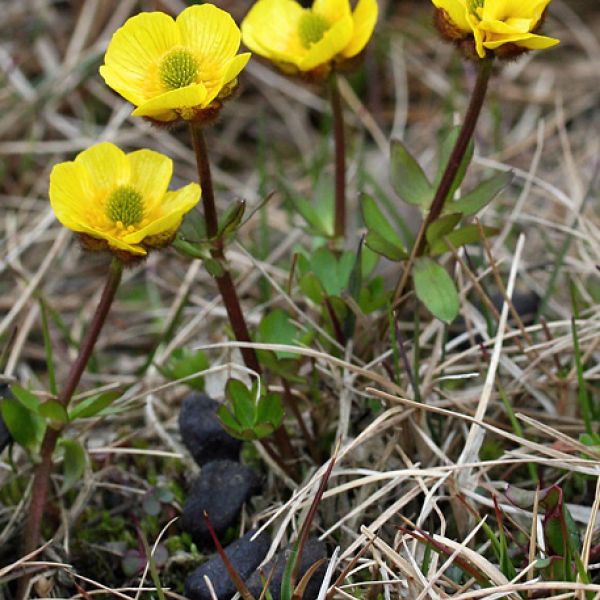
x=317 y=220
x=26 y=398
x=324 y=266
x=481 y=195
x=228 y=420
x=270 y=410
x=276 y=328
x=74 y=460
x=572 y=530
x=191 y=250
x=369 y=260
x=381 y=246
x=151 y=504
x=192 y=228
x=249 y=418
x=435 y=289
x=311 y=287
x=445 y=152
x=469 y=234
x=381 y=237
x=184 y=362
x=408 y=179
x=554 y=534
x=355 y=283
x=164 y=494
x=133 y=562
x=286 y=580
x=242 y=402
x=442 y=226
x=25 y=426
x=373 y=296
x=92 y=406
x=54 y=411
x=214 y=267
x=232 y=218
x=542 y=563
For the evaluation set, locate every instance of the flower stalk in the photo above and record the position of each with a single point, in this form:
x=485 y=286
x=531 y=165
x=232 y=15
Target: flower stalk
x=227 y=287
x=224 y=281
x=41 y=480
x=465 y=135
x=340 y=157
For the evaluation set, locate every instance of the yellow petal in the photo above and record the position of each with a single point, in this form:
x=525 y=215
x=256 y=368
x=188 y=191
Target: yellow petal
x=107 y=167
x=457 y=11
x=113 y=241
x=187 y=97
x=521 y=9
x=123 y=86
x=232 y=70
x=150 y=176
x=235 y=66
x=510 y=27
x=214 y=37
x=332 y=10
x=478 y=34
x=210 y=32
x=69 y=190
x=364 y=19
x=531 y=41
x=131 y=61
x=332 y=43
x=173 y=207
x=270 y=29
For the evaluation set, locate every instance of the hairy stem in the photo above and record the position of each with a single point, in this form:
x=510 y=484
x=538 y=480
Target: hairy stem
x=340 y=158
x=41 y=479
x=456 y=157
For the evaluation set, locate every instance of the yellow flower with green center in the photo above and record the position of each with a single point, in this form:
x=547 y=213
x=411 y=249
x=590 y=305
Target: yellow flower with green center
x=503 y=27
x=120 y=201
x=307 y=39
x=172 y=69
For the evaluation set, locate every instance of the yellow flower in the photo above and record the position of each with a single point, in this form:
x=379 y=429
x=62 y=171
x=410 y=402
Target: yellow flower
x=504 y=27
x=120 y=200
x=306 y=39
x=174 y=69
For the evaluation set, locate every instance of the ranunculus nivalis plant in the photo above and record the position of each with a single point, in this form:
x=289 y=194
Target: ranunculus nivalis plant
x=120 y=201
x=175 y=68
x=502 y=27
x=308 y=39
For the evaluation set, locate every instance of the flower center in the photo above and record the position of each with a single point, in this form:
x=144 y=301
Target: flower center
x=311 y=28
x=178 y=69
x=125 y=205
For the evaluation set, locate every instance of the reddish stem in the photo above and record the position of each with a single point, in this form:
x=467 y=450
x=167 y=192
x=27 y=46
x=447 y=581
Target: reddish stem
x=227 y=287
x=458 y=153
